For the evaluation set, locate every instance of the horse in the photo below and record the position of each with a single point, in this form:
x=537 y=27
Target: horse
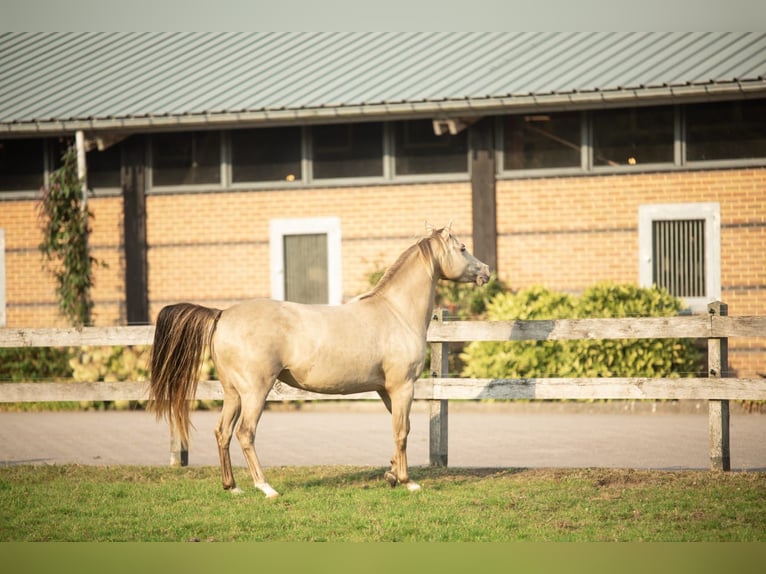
x=374 y=342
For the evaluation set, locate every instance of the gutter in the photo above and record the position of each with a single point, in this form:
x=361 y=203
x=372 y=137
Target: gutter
x=442 y=109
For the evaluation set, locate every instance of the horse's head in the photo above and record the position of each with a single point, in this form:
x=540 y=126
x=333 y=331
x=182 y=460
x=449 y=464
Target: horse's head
x=455 y=262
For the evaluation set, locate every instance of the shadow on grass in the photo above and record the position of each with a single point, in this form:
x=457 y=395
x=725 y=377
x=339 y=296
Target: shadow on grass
x=340 y=476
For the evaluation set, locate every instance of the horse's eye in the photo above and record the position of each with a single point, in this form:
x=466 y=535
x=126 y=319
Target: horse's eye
x=462 y=248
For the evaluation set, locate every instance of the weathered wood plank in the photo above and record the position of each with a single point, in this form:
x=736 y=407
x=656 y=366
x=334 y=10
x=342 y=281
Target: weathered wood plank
x=438 y=410
x=49 y=392
x=72 y=337
x=541 y=330
x=139 y=391
x=429 y=389
x=587 y=388
x=723 y=326
x=698 y=326
x=718 y=411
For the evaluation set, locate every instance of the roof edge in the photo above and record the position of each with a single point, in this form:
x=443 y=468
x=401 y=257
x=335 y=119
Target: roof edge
x=640 y=96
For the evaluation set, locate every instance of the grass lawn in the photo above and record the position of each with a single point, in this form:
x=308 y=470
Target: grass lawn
x=354 y=504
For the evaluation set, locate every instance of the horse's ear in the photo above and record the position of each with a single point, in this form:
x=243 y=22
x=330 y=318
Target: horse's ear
x=429 y=228
x=447 y=231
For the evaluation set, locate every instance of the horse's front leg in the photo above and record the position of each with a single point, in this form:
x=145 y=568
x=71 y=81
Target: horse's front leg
x=401 y=402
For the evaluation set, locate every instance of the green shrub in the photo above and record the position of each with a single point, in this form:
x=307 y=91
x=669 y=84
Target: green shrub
x=466 y=300
x=29 y=364
x=111 y=364
x=35 y=364
x=586 y=358
x=114 y=364
x=522 y=358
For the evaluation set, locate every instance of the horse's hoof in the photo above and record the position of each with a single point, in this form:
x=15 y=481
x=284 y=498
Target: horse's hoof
x=391 y=478
x=266 y=489
x=237 y=491
x=412 y=486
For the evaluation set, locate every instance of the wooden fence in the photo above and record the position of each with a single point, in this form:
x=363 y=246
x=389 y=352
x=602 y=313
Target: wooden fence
x=438 y=389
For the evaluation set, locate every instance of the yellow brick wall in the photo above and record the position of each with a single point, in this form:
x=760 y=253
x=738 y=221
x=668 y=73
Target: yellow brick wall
x=30 y=288
x=214 y=248
x=571 y=232
x=565 y=233
x=568 y=233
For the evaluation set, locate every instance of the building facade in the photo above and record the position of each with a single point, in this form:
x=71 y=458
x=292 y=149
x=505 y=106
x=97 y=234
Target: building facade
x=556 y=164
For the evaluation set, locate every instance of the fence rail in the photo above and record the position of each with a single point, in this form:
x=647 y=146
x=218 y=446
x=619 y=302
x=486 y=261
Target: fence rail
x=439 y=388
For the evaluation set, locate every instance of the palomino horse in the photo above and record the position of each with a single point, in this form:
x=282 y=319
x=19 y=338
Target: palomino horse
x=375 y=342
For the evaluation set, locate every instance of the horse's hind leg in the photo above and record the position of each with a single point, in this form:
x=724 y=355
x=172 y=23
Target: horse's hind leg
x=252 y=408
x=223 y=432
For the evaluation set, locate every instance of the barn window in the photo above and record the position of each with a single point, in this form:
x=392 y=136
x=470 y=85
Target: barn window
x=305 y=260
x=726 y=130
x=104 y=167
x=633 y=136
x=186 y=158
x=420 y=151
x=22 y=164
x=347 y=150
x=542 y=141
x=678 y=256
x=679 y=249
x=266 y=155
x=305 y=267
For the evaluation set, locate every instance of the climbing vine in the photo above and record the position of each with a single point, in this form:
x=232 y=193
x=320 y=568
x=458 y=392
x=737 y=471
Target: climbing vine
x=65 y=227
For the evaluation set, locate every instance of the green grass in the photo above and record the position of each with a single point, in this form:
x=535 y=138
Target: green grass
x=354 y=504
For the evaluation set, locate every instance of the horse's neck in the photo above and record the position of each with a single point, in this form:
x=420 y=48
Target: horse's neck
x=410 y=291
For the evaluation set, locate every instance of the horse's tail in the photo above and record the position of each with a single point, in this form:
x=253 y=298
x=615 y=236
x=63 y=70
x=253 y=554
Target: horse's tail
x=182 y=334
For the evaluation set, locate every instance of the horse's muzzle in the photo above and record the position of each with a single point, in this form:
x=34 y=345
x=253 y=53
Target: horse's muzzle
x=482 y=277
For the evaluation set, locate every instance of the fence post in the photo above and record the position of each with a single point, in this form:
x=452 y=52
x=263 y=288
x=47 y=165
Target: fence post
x=179 y=450
x=438 y=410
x=718 y=410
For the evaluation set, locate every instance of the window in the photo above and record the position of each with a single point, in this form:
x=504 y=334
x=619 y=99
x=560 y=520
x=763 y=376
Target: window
x=266 y=154
x=542 y=141
x=420 y=151
x=306 y=260
x=104 y=167
x=22 y=165
x=726 y=130
x=186 y=158
x=678 y=256
x=347 y=150
x=633 y=136
x=680 y=250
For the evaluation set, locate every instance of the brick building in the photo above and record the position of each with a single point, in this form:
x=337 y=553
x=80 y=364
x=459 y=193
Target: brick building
x=294 y=165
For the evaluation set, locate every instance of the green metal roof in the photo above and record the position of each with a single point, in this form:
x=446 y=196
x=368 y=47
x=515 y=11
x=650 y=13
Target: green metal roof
x=65 y=81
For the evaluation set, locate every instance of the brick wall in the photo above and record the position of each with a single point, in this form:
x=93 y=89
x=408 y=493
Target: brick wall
x=30 y=288
x=565 y=233
x=568 y=233
x=214 y=248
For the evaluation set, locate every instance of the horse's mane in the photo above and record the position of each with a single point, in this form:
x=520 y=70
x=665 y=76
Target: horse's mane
x=423 y=245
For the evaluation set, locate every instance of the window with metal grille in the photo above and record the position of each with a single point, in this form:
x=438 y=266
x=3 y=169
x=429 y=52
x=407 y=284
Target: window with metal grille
x=305 y=260
x=305 y=257
x=678 y=256
x=680 y=250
